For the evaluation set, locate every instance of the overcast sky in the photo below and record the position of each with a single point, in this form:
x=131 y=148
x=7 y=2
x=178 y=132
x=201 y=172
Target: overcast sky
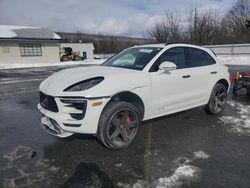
x=116 y=17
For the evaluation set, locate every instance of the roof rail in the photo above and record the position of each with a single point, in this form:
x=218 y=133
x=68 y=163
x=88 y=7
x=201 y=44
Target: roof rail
x=177 y=43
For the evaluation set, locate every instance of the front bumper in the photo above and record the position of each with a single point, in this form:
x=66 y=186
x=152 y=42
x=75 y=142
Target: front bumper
x=72 y=115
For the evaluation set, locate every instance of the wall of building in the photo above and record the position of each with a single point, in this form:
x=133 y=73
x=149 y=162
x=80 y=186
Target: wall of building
x=230 y=49
x=81 y=47
x=10 y=52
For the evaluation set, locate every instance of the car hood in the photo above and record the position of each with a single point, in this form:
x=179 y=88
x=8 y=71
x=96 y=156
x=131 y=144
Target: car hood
x=115 y=80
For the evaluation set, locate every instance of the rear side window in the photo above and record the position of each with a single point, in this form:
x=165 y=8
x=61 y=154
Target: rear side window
x=209 y=58
x=197 y=57
x=174 y=55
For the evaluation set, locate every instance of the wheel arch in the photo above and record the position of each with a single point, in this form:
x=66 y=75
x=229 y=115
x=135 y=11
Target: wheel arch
x=130 y=97
x=224 y=82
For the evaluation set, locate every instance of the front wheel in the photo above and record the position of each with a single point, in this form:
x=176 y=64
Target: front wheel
x=218 y=100
x=118 y=125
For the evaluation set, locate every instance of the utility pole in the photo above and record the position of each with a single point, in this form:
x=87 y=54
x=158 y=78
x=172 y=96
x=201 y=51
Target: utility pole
x=195 y=25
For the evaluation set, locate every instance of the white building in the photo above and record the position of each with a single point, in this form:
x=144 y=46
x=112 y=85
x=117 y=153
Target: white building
x=20 y=44
x=86 y=50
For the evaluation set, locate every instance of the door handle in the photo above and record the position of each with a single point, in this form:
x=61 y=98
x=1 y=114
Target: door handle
x=214 y=72
x=186 y=76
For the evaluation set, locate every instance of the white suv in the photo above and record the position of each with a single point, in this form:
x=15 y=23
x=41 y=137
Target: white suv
x=138 y=84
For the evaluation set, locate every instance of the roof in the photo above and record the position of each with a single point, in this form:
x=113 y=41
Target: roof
x=23 y=32
x=177 y=44
x=168 y=44
x=151 y=45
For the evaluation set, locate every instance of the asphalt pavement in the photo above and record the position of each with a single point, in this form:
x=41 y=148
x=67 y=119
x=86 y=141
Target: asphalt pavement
x=187 y=149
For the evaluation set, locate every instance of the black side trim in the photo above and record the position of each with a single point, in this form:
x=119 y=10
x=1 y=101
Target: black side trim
x=72 y=125
x=88 y=98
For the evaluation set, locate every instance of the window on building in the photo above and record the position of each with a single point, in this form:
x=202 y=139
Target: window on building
x=27 y=49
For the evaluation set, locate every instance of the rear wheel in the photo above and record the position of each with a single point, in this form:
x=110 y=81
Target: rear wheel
x=248 y=90
x=118 y=125
x=218 y=100
x=235 y=90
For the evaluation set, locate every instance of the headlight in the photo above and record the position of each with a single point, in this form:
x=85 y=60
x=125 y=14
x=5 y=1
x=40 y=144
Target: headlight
x=84 y=85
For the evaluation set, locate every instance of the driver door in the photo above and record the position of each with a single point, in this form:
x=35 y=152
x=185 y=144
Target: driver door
x=170 y=90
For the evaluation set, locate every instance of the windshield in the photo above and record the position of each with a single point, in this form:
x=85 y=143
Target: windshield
x=133 y=58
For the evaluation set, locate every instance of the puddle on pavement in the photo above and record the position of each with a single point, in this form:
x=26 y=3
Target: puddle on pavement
x=88 y=175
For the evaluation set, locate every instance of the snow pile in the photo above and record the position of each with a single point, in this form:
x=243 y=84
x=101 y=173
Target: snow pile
x=67 y=63
x=241 y=122
x=201 y=155
x=234 y=59
x=183 y=174
x=20 y=152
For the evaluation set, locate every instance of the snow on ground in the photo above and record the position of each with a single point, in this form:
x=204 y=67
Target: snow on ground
x=234 y=59
x=66 y=63
x=201 y=155
x=239 y=123
x=184 y=174
x=227 y=60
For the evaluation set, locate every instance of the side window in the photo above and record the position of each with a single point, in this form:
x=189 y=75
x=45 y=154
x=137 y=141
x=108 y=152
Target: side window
x=197 y=58
x=174 y=55
x=209 y=59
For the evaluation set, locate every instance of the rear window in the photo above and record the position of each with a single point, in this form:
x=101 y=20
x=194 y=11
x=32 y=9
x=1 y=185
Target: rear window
x=197 y=57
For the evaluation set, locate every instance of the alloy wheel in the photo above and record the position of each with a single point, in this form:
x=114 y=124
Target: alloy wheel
x=220 y=99
x=123 y=127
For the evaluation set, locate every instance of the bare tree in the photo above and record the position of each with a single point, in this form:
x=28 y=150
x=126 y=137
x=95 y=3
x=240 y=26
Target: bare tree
x=234 y=22
x=204 y=27
x=167 y=29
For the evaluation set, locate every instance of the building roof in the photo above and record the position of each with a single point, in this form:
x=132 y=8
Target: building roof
x=22 y=32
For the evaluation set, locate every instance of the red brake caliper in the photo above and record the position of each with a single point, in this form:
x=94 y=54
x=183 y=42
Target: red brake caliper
x=121 y=126
x=128 y=120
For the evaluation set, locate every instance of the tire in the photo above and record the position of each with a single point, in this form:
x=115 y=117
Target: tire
x=218 y=100
x=248 y=91
x=118 y=125
x=235 y=90
x=64 y=58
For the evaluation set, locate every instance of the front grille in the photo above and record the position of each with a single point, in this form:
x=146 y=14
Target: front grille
x=48 y=102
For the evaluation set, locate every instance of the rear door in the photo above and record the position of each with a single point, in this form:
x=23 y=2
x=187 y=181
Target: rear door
x=202 y=68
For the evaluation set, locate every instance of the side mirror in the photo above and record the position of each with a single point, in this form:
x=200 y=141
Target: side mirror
x=167 y=66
